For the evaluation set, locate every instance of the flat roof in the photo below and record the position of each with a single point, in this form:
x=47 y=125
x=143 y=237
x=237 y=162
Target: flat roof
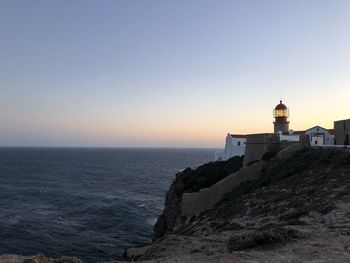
x=238 y=135
x=343 y=120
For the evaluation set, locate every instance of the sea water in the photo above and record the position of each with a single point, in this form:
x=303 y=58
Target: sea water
x=89 y=203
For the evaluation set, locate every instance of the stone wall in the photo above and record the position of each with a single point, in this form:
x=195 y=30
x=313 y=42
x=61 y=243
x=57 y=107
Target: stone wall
x=305 y=140
x=258 y=144
x=195 y=203
x=205 y=199
x=342 y=132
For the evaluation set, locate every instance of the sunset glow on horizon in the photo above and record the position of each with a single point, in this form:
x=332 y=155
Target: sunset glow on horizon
x=168 y=74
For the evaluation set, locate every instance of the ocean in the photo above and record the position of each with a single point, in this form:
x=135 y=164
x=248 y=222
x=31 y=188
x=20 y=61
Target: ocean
x=86 y=202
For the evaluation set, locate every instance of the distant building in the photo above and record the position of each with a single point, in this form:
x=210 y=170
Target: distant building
x=235 y=144
x=290 y=136
x=320 y=136
x=342 y=132
x=281 y=115
x=317 y=134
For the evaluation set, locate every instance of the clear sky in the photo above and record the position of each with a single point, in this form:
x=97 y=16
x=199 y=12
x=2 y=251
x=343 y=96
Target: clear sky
x=168 y=73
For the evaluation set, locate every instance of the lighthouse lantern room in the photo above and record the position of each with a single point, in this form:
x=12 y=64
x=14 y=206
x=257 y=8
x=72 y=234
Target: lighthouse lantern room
x=281 y=115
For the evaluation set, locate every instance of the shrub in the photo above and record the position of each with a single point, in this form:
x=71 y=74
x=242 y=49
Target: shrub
x=268 y=155
x=210 y=173
x=261 y=238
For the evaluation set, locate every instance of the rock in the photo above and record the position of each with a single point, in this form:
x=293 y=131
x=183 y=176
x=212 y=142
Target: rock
x=189 y=181
x=37 y=259
x=172 y=208
x=65 y=259
x=296 y=210
x=136 y=252
x=12 y=259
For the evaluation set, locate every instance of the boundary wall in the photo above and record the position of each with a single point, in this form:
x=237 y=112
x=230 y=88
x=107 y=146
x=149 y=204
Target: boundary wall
x=196 y=203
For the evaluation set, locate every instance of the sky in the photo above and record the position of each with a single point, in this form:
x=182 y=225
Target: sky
x=161 y=73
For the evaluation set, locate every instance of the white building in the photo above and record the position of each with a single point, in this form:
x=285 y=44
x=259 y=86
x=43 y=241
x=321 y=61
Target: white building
x=320 y=136
x=291 y=136
x=234 y=146
x=235 y=143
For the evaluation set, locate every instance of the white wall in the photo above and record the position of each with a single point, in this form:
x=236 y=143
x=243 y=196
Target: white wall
x=317 y=140
x=219 y=155
x=234 y=147
x=320 y=136
x=289 y=137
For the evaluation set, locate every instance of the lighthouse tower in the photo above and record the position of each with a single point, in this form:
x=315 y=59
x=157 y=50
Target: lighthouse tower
x=281 y=115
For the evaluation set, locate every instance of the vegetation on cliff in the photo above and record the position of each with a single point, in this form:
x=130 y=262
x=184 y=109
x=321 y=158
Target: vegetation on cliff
x=301 y=204
x=209 y=174
x=312 y=179
x=191 y=180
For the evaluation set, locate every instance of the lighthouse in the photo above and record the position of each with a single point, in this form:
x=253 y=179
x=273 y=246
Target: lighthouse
x=281 y=115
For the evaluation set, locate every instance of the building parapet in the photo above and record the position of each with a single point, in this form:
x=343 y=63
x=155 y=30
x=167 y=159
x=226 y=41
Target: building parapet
x=258 y=144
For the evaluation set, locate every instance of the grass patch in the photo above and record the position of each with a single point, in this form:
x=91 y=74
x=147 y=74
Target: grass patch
x=261 y=238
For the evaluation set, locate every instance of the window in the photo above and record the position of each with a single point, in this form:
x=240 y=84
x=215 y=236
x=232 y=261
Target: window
x=281 y=113
x=239 y=143
x=315 y=142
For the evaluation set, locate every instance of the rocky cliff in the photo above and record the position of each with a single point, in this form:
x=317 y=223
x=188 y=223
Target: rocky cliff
x=37 y=259
x=188 y=181
x=298 y=210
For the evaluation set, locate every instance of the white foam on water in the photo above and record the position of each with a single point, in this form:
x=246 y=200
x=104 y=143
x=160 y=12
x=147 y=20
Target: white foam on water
x=151 y=221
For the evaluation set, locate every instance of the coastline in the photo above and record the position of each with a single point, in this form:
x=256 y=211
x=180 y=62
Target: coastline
x=296 y=210
x=276 y=218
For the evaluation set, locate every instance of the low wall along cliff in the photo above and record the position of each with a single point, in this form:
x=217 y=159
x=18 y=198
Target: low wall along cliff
x=258 y=144
x=205 y=199
x=195 y=203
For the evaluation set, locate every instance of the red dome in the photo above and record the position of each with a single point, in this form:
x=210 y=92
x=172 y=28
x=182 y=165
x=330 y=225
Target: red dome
x=281 y=106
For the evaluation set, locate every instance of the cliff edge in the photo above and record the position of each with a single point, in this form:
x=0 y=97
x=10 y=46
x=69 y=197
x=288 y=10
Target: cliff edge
x=297 y=210
x=189 y=181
